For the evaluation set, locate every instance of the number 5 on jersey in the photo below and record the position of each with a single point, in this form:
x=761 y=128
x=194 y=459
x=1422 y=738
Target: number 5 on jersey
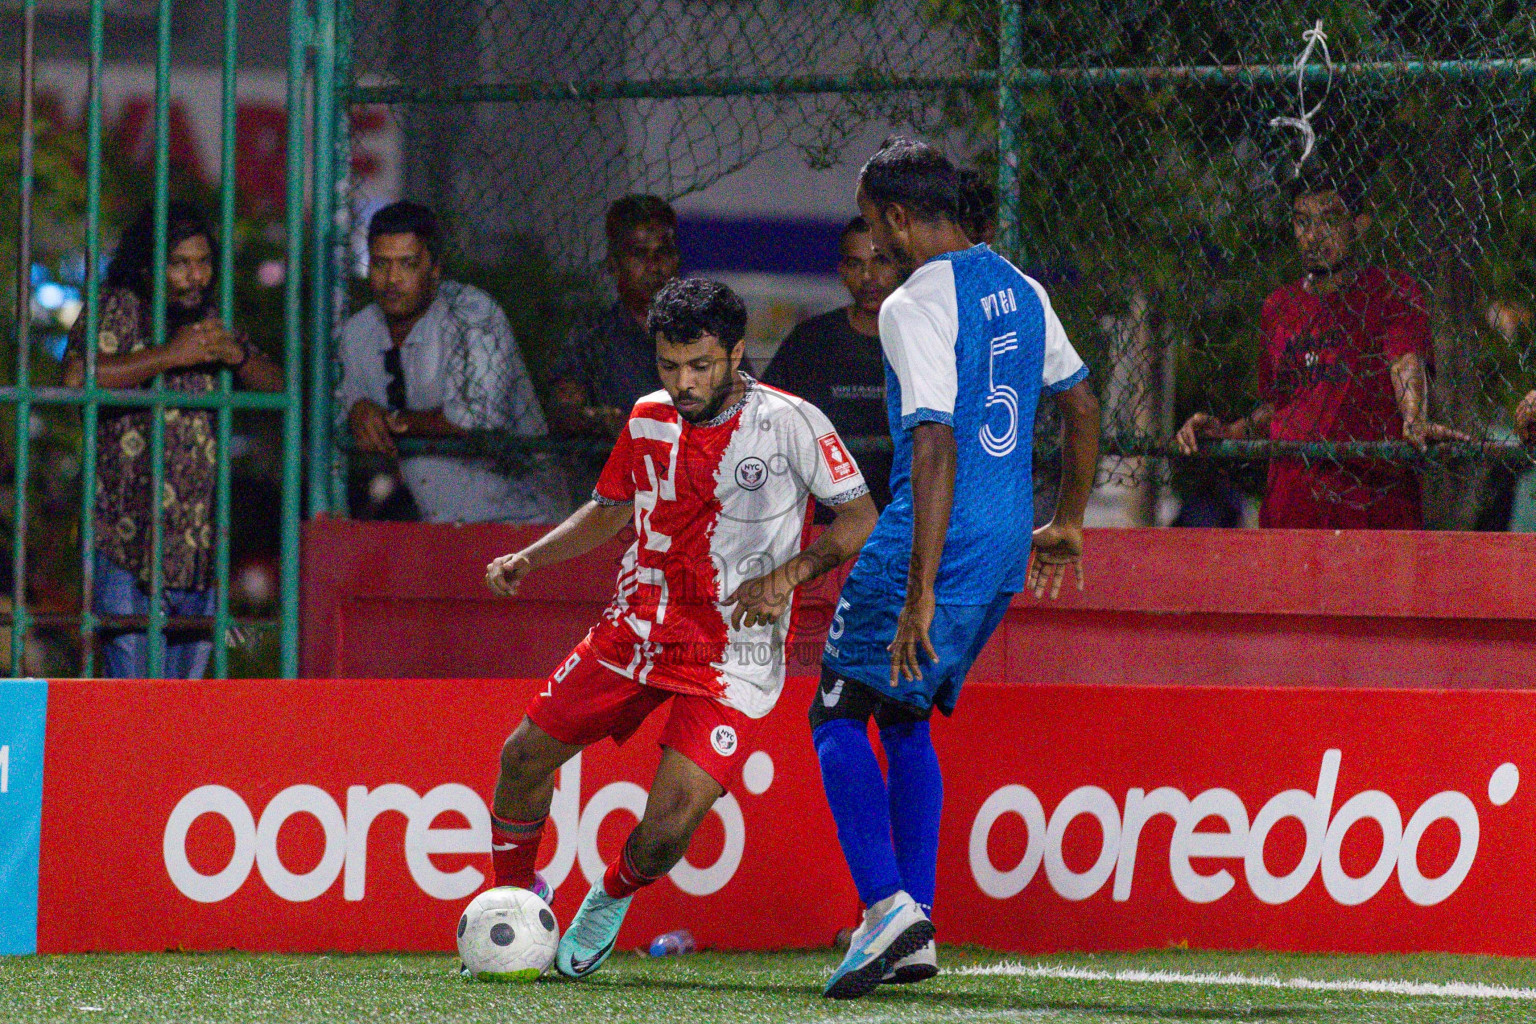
x=993 y=442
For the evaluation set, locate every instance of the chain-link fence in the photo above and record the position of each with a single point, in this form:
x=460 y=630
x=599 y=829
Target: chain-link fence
x=1145 y=181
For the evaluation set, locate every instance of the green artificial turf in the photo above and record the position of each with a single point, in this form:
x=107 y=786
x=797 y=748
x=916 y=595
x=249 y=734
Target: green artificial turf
x=707 y=987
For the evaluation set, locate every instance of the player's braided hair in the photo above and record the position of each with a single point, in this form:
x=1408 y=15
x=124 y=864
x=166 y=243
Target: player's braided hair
x=914 y=175
x=978 y=204
x=686 y=309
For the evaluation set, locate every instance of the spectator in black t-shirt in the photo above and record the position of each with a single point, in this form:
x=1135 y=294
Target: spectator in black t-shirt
x=834 y=361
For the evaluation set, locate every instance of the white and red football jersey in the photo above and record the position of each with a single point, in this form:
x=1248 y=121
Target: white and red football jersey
x=716 y=504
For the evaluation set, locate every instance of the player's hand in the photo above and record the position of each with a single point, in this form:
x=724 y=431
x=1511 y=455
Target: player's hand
x=912 y=637
x=759 y=602
x=1055 y=548
x=1420 y=433
x=505 y=574
x=1525 y=418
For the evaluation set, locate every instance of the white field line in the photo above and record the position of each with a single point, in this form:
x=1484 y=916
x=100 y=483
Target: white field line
x=1444 y=990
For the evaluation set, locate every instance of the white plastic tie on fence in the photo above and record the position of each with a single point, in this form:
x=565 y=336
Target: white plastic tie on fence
x=1316 y=39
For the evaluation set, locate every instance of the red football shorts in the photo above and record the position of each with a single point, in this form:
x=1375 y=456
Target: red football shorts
x=583 y=702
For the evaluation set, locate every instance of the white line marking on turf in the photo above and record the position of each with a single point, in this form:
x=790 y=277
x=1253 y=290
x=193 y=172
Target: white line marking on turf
x=1446 y=990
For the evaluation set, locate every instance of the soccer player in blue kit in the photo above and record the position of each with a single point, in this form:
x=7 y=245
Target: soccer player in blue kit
x=970 y=343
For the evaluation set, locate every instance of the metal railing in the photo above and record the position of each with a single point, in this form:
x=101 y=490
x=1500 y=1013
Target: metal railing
x=89 y=399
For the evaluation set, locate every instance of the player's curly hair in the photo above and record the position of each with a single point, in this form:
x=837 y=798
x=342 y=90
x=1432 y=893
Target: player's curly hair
x=686 y=309
x=914 y=175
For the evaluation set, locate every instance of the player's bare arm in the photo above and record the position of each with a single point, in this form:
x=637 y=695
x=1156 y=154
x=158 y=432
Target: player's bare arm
x=933 y=495
x=762 y=600
x=1410 y=384
x=585 y=529
x=1059 y=543
x=1203 y=425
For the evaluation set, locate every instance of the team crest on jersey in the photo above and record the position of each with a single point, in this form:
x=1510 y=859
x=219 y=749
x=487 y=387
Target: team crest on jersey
x=751 y=472
x=723 y=739
x=836 y=457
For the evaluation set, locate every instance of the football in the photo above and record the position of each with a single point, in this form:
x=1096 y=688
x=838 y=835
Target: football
x=507 y=934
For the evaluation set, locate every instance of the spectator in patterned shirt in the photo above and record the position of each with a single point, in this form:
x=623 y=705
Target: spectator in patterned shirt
x=431 y=358
x=198 y=345
x=1345 y=358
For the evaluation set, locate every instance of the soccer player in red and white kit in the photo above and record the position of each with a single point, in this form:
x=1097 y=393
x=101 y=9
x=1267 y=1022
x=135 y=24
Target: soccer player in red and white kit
x=713 y=472
x=1345 y=358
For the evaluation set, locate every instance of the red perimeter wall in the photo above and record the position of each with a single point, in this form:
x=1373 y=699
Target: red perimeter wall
x=1211 y=607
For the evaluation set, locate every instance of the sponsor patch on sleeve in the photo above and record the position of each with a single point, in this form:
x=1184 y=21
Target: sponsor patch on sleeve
x=836 y=457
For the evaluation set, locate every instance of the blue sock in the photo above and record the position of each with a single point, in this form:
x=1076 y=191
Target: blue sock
x=856 y=793
x=917 y=796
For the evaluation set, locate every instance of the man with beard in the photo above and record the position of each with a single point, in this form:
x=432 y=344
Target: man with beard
x=198 y=345
x=432 y=358
x=713 y=472
x=1345 y=357
x=833 y=360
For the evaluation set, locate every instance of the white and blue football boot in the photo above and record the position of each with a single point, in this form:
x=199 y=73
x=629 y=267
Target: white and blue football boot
x=588 y=942
x=920 y=966
x=893 y=930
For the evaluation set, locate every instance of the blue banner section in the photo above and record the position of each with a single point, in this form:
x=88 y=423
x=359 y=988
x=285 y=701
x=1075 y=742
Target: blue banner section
x=23 y=712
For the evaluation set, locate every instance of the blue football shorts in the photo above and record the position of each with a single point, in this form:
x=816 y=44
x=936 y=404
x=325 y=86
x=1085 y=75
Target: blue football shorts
x=865 y=624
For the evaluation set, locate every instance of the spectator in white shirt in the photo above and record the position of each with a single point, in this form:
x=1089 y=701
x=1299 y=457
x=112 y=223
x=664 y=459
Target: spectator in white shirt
x=434 y=358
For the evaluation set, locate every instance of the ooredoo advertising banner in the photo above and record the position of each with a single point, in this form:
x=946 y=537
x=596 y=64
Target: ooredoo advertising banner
x=352 y=815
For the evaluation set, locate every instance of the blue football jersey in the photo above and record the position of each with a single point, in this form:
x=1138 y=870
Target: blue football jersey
x=971 y=342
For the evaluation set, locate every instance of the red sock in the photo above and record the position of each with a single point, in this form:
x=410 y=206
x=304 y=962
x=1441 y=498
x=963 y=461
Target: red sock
x=514 y=849
x=622 y=877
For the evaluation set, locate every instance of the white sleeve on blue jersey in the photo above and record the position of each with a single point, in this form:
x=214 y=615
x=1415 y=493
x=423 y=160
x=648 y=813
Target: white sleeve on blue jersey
x=1063 y=366
x=919 y=325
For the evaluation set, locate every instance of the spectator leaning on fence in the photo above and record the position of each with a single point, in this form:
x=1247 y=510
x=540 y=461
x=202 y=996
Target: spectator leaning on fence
x=607 y=363
x=430 y=358
x=1344 y=358
x=833 y=360
x=198 y=345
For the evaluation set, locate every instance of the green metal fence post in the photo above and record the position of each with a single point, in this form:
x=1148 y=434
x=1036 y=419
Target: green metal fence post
x=19 y=617
x=1010 y=58
x=336 y=462
x=222 y=495
x=300 y=31
x=90 y=414
x=157 y=411
x=320 y=272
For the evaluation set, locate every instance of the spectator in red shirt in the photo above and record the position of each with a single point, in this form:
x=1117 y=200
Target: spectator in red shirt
x=1345 y=357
